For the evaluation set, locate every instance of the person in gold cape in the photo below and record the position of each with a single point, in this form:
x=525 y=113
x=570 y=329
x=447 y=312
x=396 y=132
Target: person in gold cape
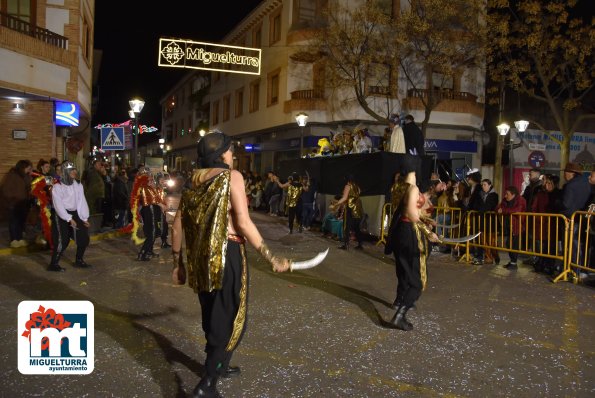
x=214 y=217
x=408 y=236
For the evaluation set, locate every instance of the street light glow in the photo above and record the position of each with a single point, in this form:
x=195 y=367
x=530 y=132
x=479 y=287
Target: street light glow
x=301 y=119
x=136 y=105
x=503 y=128
x=521 y=125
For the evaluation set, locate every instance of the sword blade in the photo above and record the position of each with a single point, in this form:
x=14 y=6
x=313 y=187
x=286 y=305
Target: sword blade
x=447 y=226
x=461 y=239
x=313 y=262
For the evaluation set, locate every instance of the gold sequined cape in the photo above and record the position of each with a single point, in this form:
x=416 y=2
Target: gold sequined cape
x=353 y=201
x=204 y=211
x=293 y=195
x=397 y=191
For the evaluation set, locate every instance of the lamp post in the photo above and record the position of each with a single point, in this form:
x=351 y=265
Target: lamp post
x=301 y=119
x=503 y=129
x=136 y=106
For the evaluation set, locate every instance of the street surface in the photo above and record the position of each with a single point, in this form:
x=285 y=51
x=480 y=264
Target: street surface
x=479 y=331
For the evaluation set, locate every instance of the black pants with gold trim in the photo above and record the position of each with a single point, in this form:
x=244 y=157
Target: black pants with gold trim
x=406 y=250
x=224 y=311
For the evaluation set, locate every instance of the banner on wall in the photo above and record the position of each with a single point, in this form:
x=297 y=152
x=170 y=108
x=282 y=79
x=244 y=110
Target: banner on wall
x=539 y=150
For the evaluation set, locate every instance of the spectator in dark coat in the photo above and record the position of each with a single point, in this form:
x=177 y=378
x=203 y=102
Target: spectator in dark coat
x=575 y=197
x=16 y=199
x=488 y=200
x=414 y=139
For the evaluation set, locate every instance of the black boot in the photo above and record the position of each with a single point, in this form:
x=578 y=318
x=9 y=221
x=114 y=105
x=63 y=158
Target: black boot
x=231 y=371
x=207 y=387
x=165 y=245
x=55 y=268
x=143 y=256
x=399 y=321
x=80 y=263
x=54 y=264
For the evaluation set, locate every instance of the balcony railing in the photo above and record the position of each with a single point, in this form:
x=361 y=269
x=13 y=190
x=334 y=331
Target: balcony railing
x=442 y=94
x=26 y=28
x=307 y=94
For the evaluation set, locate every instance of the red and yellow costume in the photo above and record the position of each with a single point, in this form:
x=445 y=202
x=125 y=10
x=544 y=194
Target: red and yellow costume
x=41 y=189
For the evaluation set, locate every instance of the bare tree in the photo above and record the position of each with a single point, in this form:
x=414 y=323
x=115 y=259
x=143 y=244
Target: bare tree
x=540 y=50
x=430 y=43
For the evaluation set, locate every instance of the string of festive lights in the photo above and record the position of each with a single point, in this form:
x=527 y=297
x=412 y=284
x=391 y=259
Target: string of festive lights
x=141 y=128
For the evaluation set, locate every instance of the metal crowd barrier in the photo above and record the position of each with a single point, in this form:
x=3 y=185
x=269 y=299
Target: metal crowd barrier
x=546 y=235
x=581 y=250
x=534 y=234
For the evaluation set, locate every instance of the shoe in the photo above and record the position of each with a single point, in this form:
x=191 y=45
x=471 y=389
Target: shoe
x=343 y=247
x=511 y=266
x=81 y=264
x=477 y=261
x=231 y=371
x=399 y=321
x=143 y=256
x=300 y=230
x=165 y=245
x=14 y=244
x=207 y=387
x=359 y=247
x=23 y=243
x=55 y=268
x=152 y=254
x=396 y=304
x=40 y=240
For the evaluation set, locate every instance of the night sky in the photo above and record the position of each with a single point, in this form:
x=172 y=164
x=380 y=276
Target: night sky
x=128 y=35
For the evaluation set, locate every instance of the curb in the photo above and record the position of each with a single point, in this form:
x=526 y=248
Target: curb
x=33 y=248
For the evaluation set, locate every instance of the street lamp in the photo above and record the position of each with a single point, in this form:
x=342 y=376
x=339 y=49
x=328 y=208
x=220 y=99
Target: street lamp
x=503 y=129
x=301 y=119
x=136 y=106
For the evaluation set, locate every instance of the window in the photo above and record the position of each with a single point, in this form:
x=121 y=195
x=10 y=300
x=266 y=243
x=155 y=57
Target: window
x=239 y=105
x=190 y=123
x=442 y=82
x=378 y=81
x=309 y=13
x=226 y=104
x=86 y=45
x=273 y=87
x=257 y=37
x=182 y=131
x=275 y=27
x=254 y=95
x=21 y=9
x=215 y=114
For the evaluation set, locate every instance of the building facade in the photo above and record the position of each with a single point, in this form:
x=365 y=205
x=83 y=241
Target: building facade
x=46 y=58
x=259 y=111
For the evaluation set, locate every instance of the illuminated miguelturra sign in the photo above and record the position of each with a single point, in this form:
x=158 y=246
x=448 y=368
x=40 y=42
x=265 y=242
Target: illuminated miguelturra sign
x=176 y=53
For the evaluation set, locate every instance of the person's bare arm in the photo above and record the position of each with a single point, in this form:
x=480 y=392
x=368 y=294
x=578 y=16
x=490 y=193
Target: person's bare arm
x=345 y=195
x=246 y=227
x=179 y=271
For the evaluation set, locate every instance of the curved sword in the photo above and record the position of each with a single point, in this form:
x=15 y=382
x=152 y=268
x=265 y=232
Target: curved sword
x=313 y=262
x=462 y=239
x=443 y=226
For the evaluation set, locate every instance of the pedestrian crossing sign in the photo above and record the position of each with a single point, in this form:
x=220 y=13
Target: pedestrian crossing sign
x=112 y=138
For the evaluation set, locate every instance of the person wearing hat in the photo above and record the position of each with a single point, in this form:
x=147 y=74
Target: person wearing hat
x=214 y=217
x=397 y=138
x=575 y=197
x=70 y=218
